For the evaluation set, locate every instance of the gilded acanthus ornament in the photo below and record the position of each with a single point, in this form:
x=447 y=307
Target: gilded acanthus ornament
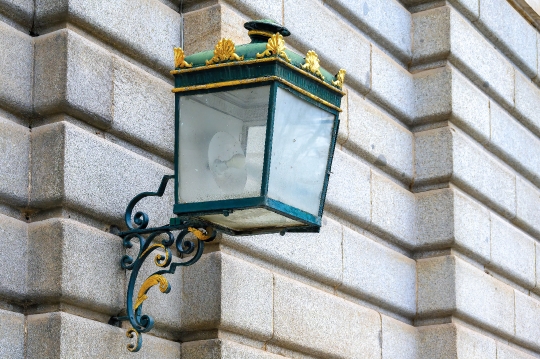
x=275 y=47
x=313 y=64
x=151 y=281
x=224 y=51
x=179 y=58
x=340 y=79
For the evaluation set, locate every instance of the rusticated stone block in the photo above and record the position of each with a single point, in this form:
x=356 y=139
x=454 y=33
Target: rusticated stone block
x=298 y=252
x=527 y=102
x=145 y=29
x=527 y=316
x=75 y=168
x=21 y=11
x=379 y=274
x=512 y=252
x=73 y=75
x=143 y=108
x=223 y=349
x=442 y=33
x=446 y=154
x=75 y=264
x=510 y=32
x=391 y=85
x=399 y=340
x=13 y=259
x=451 y=341
x=528 y=206
x=514 y=143
x=312 y=321
x=393 y=211
x=303 y=19
x=11 y=335
x=223 y=292
x=16 y=69
x=448 y=218
x=449 y=286
x=379 y=139
x=66 y=336
x=386 y=21
x=14 y=161
x=351 y=199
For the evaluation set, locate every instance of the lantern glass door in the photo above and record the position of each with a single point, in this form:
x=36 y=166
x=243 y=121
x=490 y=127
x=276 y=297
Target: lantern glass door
x=221 y=144
x=301 y=141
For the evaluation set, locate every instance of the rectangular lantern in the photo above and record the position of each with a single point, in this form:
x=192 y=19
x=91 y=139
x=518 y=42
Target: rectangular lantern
x=256 y=127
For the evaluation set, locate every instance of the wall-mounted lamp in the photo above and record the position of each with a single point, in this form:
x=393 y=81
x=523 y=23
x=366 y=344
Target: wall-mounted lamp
x=256 y=127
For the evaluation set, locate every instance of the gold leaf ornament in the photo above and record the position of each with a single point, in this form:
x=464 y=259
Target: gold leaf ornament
x=179 y=58
x=224 y=51
x=275 y=46
x=340 y=78
x=151 y=281
x=312 y=64
x=200 y=234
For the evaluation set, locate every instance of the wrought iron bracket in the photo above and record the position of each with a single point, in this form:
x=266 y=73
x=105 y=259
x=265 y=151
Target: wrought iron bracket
x=161 y=239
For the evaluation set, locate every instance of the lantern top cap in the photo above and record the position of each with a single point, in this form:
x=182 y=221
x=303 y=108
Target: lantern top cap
x=267 y=44
x=265 y=28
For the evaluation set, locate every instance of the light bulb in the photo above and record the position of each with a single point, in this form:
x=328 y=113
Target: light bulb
x=227 y=163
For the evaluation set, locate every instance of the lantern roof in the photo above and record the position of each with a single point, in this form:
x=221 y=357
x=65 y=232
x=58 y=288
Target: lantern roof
x=267 y=44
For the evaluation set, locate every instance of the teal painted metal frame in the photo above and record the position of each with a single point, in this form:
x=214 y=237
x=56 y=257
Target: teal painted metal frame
x=312 y=223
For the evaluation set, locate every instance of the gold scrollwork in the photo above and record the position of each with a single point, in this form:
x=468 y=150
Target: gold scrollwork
x=160 y=260
x=313 y=64
x=200 y=234
x=130 y=334
x=151 y=281
x=275 y=46
x=179 y=59
x=224 y=51
x=340 y=78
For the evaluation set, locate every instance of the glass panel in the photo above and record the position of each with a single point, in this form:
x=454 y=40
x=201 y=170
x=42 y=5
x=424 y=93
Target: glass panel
x=221 y=148
x=255 y=218
x=300 y=146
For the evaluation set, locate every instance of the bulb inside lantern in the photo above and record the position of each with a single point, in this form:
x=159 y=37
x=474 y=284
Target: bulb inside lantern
x=227 y=162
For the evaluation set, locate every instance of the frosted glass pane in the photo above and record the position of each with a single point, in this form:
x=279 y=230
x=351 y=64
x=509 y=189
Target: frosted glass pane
x=252 y=219
x=221 y=144
x=300 y=147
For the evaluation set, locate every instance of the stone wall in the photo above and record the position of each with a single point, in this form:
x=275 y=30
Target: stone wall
x=429 y=244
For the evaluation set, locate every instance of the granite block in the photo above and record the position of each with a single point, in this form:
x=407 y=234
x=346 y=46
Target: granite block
x=379 y=139
x=512 y=252
x=351 y=199
x=16 y=68
x=76 y=168
x=298 y=252
x=13 y=259
x=60 y=335
x=73 y=75
x=75 y=264
x=147 y=32
x=14 y=161
x=393 y=211
x=387 y=22
x=303 y=19
x=378 y=274
x=321 y=324
x=223 y=292
x=11 y=335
